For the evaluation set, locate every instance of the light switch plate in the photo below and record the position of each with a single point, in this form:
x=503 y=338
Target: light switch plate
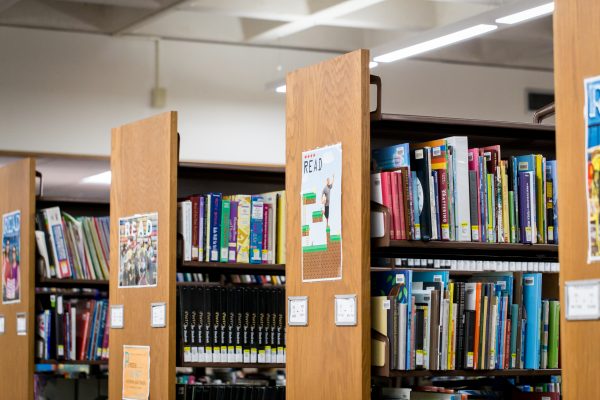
x=117 y=317
x=345 y=310
x=298 y=310
x=21 y=324
x=583 y=299
x=158 y=315
x=2 y=324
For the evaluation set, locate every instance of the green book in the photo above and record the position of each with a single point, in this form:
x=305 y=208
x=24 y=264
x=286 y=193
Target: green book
x=225 y=208
x=553 y=334
x=511 y=217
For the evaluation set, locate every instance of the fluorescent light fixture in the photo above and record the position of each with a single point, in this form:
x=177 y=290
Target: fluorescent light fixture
x=280 y=89
x=102 y=178
x=528 y=14
x=436 y=43
x=373 y=64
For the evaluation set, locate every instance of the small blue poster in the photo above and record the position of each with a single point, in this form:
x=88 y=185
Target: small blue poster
x=592 y=143
x=11 y=257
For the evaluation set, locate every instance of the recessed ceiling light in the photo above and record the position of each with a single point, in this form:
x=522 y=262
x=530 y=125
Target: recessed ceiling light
x=280 y=89
x=528 y=14
x=102 y=178
x=436 y=43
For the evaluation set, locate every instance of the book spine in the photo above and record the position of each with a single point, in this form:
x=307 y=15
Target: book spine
x=243 y=234
x=63 y=269
x=215 y=227
x=549 y=207
x=417 y=205
x=201 y=227
x=394 y=195
x=386 y=193
x=442 y=177
x=256 y=230
x=233 y=229
x=553 y=334
x=265 y=234
x=525 y=212
x=224 y=243
x=474 y=201
x=406 y=204
x=195 y=230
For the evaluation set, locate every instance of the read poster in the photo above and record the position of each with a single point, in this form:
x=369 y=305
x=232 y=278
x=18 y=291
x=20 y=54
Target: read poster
x=136 y=372
x=592 y=143
x=11 y=257
x=138 y=251
x=321 y=214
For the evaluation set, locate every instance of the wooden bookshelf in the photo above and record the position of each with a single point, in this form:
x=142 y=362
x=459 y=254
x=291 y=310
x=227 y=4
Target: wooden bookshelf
x=575 y=59
x=16 y=358
x=232 y=365
x=326 y=105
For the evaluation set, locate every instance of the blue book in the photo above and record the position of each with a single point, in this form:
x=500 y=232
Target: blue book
x=391 y=157
x=532 y=302
x=504 y=279
x=90 y=343
x=215 y=226
x=432 y=276
x=100 y=337
x=256 y=229
x=417 y=205
x=514 y=315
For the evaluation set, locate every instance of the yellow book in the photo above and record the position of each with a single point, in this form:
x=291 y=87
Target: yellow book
x=540 y=194
x=378 y=324
x=505 y=205
x=281 y=202
x=243 y=229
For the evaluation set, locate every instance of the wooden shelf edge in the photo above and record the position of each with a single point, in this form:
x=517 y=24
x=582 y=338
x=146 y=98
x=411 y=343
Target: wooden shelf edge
x=380 y=372
x=71 y=282
x=232 y=365
x=73 y=362
x=233 y=266
x=452 y=271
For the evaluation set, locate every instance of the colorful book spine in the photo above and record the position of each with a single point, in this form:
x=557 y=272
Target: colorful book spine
x=224 y=241
x=215 y=227
x=195 y=230
x=243 y=234
x=57 y=239
x=201 y=229
x=256 y=229
x=233 y=228
x=553 y=334
x=417 y=205
x=265 y=234
x=526 y=223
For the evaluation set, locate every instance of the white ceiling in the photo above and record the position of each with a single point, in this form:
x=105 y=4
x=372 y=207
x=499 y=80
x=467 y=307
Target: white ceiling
x=324 y=25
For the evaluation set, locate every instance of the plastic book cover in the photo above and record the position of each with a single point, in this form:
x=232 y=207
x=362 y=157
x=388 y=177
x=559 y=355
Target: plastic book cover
x=391 y=157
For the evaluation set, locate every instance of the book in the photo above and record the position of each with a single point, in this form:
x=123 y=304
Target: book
x=256 y=230
x=532 y=303
x=224 y=228
x=553 y=333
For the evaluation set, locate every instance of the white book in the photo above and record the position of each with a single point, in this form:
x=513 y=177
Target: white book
x=434 y=212
x=271 y=199
x=493 y=333
x=462 y=210
x=40 y=240
x=58 y=242
x=445 y=316
x=453 y=354
x=402 y=315
x=377 y=219
x=73 y=349
x=184 y=227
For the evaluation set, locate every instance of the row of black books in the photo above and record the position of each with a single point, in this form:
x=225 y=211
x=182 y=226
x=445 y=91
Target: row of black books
x=69 y=247
x=231 y=278
x=233 y=228
x=489 y=321
x=71 y=329
x=232 y=324
x=444 y=190
x=230 y=392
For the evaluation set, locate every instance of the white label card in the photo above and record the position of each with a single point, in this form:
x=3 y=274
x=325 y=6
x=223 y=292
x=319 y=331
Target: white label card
x=298 y=311
x=117 y=317
x=159 y=315
x=21 y=324
x=1 y=324
x=345 y=309
x=583 y=300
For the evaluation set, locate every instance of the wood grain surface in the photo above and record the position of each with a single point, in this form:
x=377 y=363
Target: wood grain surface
x=144 y=180
x=17 y=181
x=328 y=103
x=576 y=57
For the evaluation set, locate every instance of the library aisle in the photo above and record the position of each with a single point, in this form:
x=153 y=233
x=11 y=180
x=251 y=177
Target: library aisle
x=266 y=200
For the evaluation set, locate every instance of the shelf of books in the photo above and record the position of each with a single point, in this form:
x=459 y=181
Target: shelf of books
x=223 y=270
x=462 y=268
x=71 y=294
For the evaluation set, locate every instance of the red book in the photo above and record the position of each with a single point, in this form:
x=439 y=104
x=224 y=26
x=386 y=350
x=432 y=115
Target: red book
x=401 y=232
x=195 y=220
x=395 y=207
x=83 y=334
x=443 y=201
x=386 y=194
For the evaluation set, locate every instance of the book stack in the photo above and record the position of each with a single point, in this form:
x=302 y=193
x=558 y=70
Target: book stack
x=235 y=228
x=491 y=321
x=230 y=392
x=72 y=248
x=231 y=278
x=476 y=265
x=232 y=324
x=72 y=330
x=444 y=190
